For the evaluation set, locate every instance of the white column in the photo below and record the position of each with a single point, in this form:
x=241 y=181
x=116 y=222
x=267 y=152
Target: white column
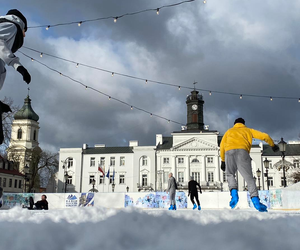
x=216 y=163
x=173 y=166
x=188 y=166
x=203 y=174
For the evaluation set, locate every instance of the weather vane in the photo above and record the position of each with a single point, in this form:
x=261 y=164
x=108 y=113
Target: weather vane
x=28 y=91
x=195 y=85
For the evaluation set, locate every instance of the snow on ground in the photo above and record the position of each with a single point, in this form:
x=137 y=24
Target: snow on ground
x=100 y=228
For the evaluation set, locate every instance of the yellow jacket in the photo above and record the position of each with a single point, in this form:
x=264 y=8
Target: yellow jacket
x=240 y=137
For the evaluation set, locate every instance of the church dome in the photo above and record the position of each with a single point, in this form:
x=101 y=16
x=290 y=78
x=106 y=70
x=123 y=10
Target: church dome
x=26 y=112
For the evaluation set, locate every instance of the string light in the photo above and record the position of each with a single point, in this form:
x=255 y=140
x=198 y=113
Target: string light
x=115 y=18
x=112 y=73
x=32 y=59
x=151 y=114
x=241 y=96
x=157 y=82
x=41 y=55
x=178 y=87
x=131 y=107
x=271 y=99
x=299 y=100
x=100 y=92
x=109 y=98
x=168 y=121
x=204 y=1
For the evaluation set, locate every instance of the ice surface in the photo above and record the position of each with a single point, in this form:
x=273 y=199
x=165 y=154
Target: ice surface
x=100 y=228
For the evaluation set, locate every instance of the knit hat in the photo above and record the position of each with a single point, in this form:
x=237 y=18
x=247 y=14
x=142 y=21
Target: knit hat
x=239 y=120
x=18 y=14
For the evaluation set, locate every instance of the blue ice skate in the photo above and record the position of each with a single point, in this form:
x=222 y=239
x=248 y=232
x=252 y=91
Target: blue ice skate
x=259 y=206
x=174 y=207
x=194 y=207
x=171 y=207
x=234 y=198
x=199 y=208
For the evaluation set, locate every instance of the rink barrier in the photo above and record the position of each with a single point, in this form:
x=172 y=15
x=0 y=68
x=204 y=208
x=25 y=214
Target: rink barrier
x=274 y=199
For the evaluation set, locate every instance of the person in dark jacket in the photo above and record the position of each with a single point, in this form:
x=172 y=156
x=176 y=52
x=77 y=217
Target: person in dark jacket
x=193 y=193
x=12 y=32
x=42 y=204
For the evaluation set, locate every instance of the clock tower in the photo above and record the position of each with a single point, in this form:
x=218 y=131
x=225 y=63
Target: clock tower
x=194 y=104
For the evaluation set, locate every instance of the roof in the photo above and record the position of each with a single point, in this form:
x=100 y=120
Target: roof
x=10 y=172
x=108 y=150
x=26 y=112
x=291 y=150
x=166 y=144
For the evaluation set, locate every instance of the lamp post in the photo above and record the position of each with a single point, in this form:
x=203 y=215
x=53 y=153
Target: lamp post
x=93 y=183
x=266 y=164
x=127 y=189
x=26 y=176
x=282 y=149
x=66 y=176
x=258 y=174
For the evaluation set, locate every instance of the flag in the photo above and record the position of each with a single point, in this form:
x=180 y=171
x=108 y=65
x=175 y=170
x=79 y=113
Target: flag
x=107 y=175
x=113 y=177
x=101 y=169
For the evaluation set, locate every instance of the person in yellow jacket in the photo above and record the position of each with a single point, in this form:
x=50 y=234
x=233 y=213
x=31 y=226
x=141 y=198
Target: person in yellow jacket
x=234 y=151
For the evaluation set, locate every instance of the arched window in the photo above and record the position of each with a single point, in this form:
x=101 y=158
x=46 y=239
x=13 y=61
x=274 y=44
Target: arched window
x=195 y=160
x=34 y=135
x=19 y=136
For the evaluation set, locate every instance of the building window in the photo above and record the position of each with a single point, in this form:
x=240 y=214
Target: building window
x=19 y=136
x=112 y=161
x=194 y=118
x=92 y=177
x=144 y=180
x=4 y=182
x=166 y=160
x=282 y=181
x=69 y=181
x=180 y=176
x=210 y=176
x=196 y=176
x=144 y=161
x=270 y=164
x=122 y=161
x=16 y=183
x=210 y=160
x=180 y=160
x=296 y=163
x=166 y=177
x=195 y=160
x=34 y=135
x=20 y=184
x=122 y=179
x=70 y=162
x=224 y=177
x=10 y=183
x=92 y=162
x=102 y=161
x=271 y=182
x=101 y=179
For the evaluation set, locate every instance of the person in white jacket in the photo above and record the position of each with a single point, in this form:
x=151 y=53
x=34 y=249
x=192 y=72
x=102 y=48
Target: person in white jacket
x=12 y=32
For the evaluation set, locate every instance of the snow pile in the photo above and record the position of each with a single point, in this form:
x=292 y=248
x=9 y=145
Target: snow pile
x=99 y=228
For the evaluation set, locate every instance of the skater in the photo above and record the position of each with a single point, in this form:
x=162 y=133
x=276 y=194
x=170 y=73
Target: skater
x=42 y=204
x=234 y=152
x=12 y=32
x=172 y=186
x=193 y=193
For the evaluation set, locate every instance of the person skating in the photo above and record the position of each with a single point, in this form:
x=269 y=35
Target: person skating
x=234 y=152
x=172 y=186
x=12 y=32
x=193 y=193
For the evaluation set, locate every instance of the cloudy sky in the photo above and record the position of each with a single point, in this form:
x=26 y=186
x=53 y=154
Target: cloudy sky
x=236 y=46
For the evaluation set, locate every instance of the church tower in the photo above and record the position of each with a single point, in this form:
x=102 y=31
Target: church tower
x=194 y=104
x=24 y=135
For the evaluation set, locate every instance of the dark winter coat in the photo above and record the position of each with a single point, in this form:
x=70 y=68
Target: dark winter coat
x=193 y=187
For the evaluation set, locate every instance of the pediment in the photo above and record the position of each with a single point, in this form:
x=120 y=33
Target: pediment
x=195 y=144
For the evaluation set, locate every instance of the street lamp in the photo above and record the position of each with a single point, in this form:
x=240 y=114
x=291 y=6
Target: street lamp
x=282 y=149
x=266 y=164
x=127 y=189
x=26 y=176
x=93 y=183
x=258 y=174
x=66 y=176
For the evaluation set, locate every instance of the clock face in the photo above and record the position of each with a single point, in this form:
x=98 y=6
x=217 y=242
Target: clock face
x=194 y=107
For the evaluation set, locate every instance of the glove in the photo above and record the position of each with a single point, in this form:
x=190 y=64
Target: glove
x=275 y=148
x=25 y=74
x=200 y=192
x=223 y=166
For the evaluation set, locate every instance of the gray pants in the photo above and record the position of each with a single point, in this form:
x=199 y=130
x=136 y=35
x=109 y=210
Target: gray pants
x=2 y=73
x=239 y=159
x=172 y=197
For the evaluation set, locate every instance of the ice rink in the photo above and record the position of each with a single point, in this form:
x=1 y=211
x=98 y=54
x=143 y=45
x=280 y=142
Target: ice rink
x=128 y=228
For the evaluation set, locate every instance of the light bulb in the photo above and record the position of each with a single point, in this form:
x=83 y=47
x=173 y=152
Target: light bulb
x=204 y=1
x=146 y=81
x=151 y=114
x=241 y=96
x=79 y=24
x=168 y=121
x=271 y=99
x=86 y=87
x=179 y=88
x=112 y=73
x=131 y=108
x=209 y=92
x=47 y=27
x=299 y=100
x=41 y=55
x=109 y=98
x=77 y=65
x=32 y=59
x=115 y=20
x=157 y=11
